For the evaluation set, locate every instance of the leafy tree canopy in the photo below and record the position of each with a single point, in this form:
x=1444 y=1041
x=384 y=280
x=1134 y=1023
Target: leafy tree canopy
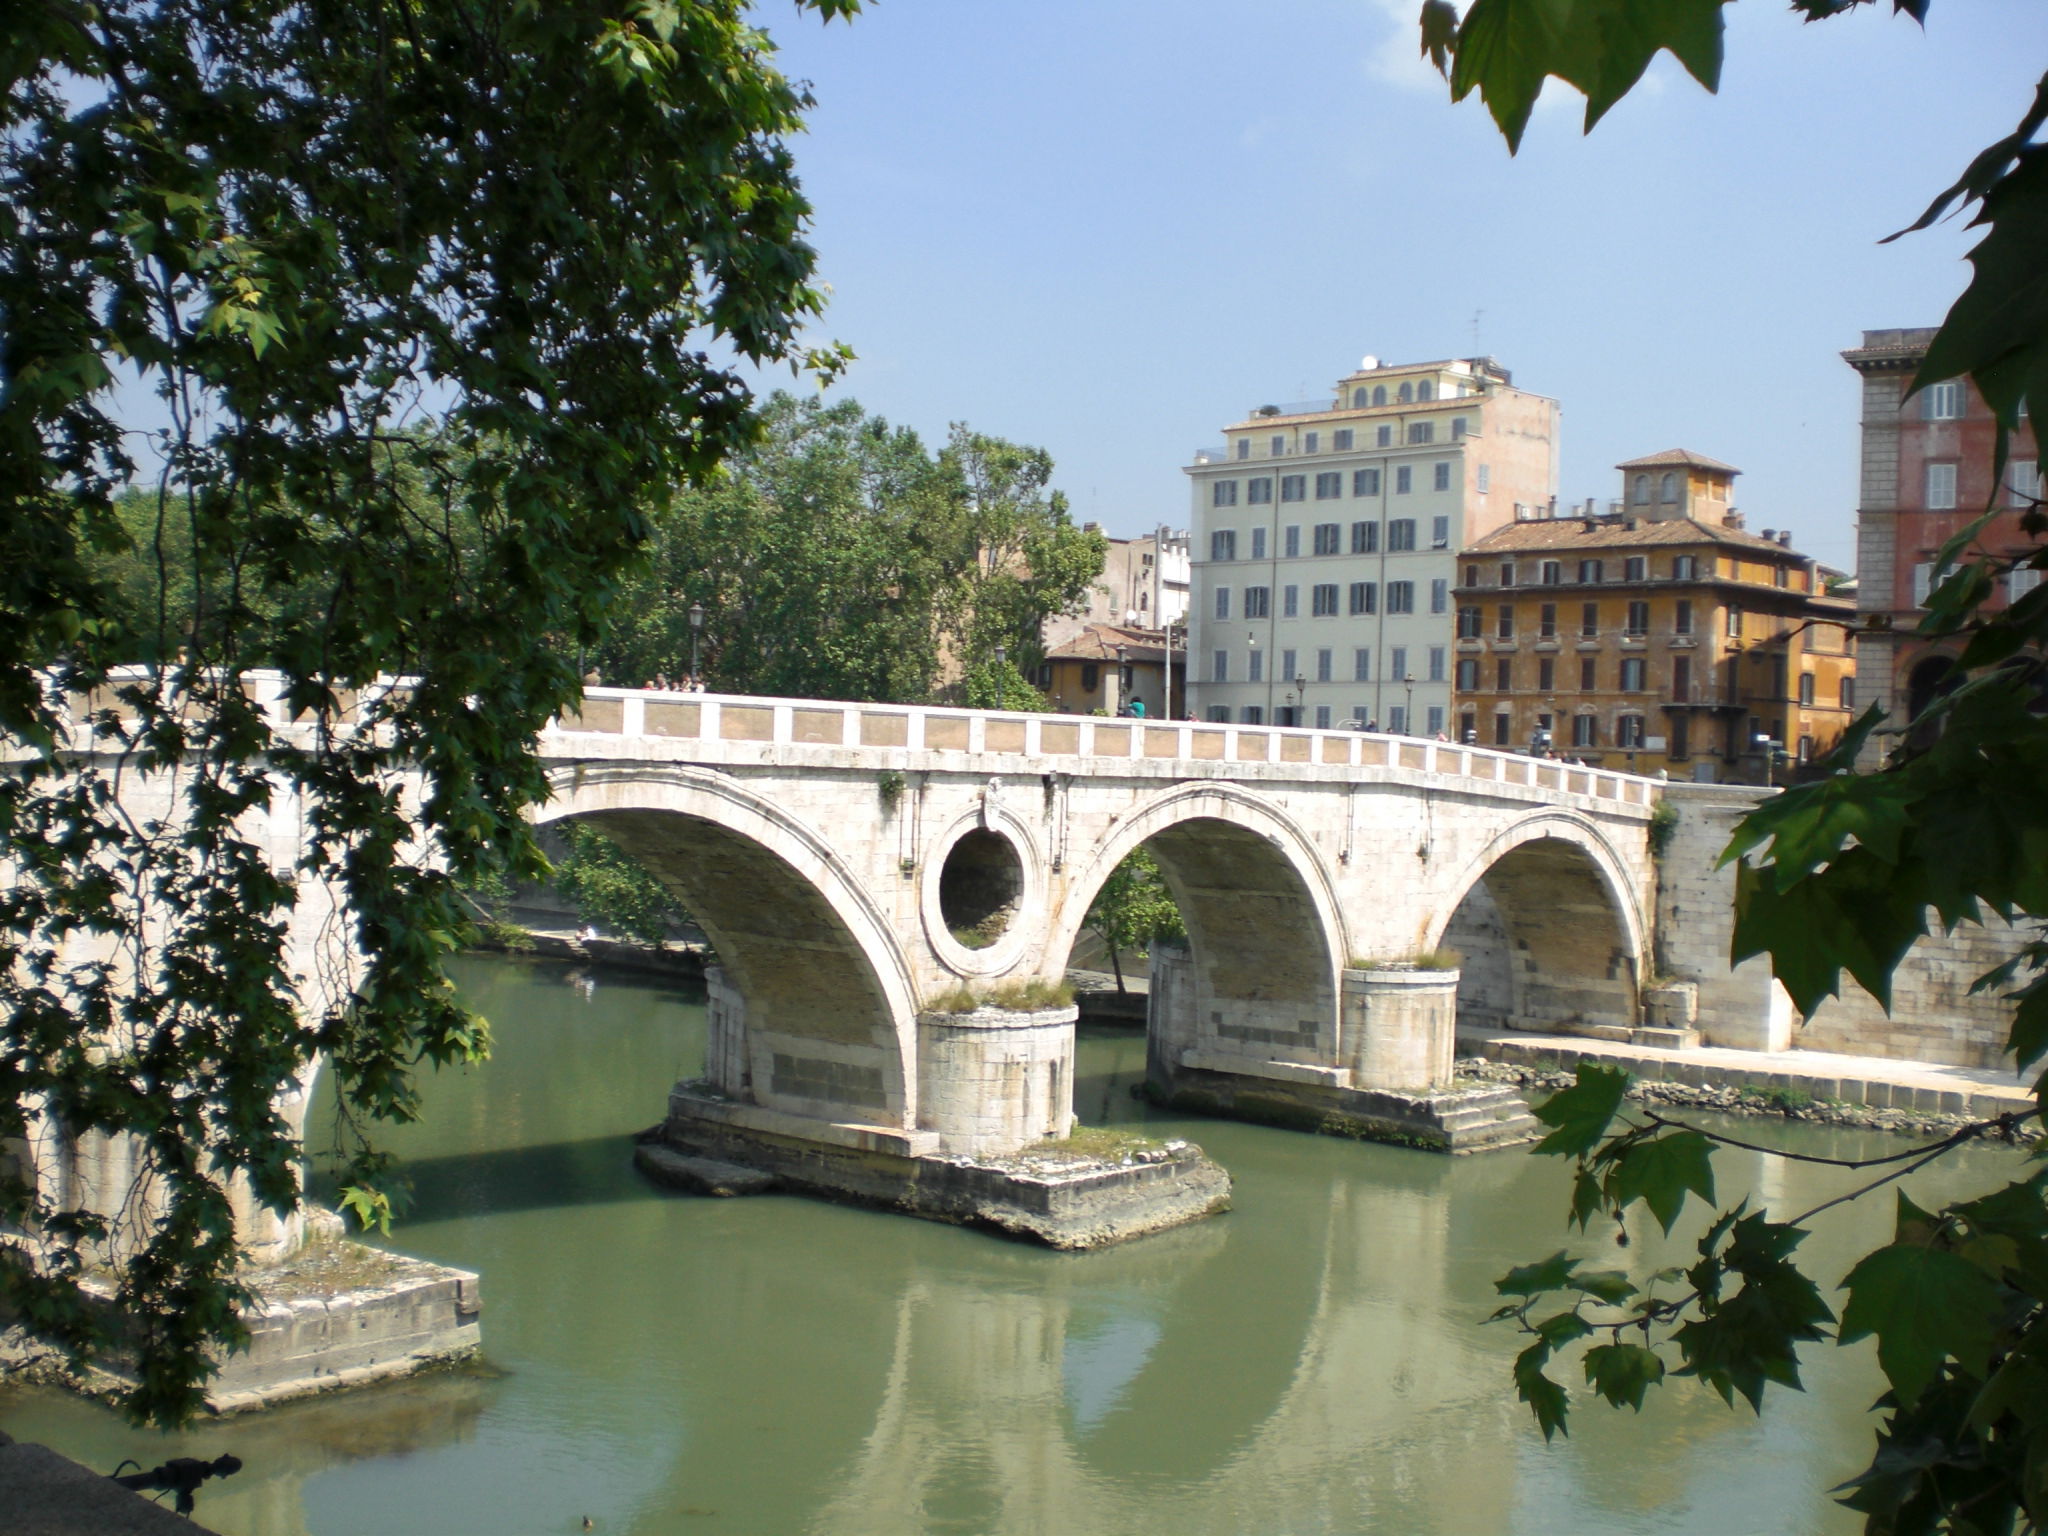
x=1842 y=876
x=559 y=230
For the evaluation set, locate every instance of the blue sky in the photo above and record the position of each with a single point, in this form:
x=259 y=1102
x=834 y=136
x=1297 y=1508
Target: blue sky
x=1109 y=228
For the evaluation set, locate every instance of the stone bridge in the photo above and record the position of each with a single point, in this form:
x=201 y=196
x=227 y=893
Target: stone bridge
x=861 y=868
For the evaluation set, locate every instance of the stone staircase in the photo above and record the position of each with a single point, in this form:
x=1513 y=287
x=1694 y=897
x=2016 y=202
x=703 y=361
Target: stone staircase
x=1480 y=1119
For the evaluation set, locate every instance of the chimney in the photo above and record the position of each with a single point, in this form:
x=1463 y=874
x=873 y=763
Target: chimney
x=1731 y=519
x=1771 y=535
x=1784 y=538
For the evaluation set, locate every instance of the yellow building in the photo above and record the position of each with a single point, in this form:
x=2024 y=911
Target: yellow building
x=1658 y=633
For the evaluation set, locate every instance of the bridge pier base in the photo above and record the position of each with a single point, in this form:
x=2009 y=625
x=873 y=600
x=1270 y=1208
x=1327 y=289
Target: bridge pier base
x=1389 y=1080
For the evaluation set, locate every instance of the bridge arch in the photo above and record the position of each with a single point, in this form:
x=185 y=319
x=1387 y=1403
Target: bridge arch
x=1265 y=925
x=826 y=997
x=1549 y=927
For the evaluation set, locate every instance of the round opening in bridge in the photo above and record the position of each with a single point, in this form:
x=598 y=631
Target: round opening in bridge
x=979 y=887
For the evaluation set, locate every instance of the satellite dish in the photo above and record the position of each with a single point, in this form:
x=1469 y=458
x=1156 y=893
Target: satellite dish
x=1368 y=362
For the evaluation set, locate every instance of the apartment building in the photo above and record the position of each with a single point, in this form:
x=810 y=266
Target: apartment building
x=1927 y=471
x=1144 y=585
x=1658 y=634
x=1325 y=537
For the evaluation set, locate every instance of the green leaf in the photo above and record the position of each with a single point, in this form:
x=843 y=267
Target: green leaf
x=1551 y=1274
x=1923 y=1304
x=1606 y=1285
x=1661 y=1170
x=1621 y=1373
x=1580 y=1114
x=1544 y=1396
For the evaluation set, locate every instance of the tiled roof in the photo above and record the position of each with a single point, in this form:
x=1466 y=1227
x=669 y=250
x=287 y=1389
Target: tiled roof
x=1099 y=642
x=1672 y=456
x=1589 y=535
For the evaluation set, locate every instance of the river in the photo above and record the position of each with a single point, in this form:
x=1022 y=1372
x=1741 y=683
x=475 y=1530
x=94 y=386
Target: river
x=1312 y=1362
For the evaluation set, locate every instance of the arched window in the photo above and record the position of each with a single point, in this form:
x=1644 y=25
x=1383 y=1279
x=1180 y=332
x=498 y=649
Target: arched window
x=1358 y=396
x=1379 y=394
x=1407 y=393
x=1425 y=390
x=1669 y=491
x=1642 y=490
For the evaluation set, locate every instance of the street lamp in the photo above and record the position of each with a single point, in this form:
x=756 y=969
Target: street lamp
x=1002 y=677
x=696 y=635
x=1408 y=709
x=1300 y=692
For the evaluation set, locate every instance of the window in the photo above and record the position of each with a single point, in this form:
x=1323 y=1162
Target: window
x=1440 y=595
x=1941 y=486
x=1258 y=489
x=1255 y=666
x=1329 y=484
x=1258 y=543
x=1460 y=425
x=1290 y=602
x=1359 y=397
x=1310 y=441
x=1379 y=394
x=1219 y=667
x=1552 y=573
x=1504 y=675
x=1468 y=675
x=1244 y=447
x=1426 y=390
x=1290 y=541
x=1365 y=482
x=1435 y=727
x=1485 y=479
x=1589 y=570
x=1253 y=714
x=1845 y=692
x=1806 y=688
x=1685 y=567
x=1781 y=576
x=1401 y=532
x=1258 y=602
x=1471 y=575
x=1681 y=617
x=1734 y=623
x=1223 y=545
x=1223 y=493
x=1400 y=664
x=1507 y=573
x=1504 y=628
x=1501 y=725
x=1340 y=440
x=1641 y=493
x=1400 y=597
x=1667 y=489
x=1294 y=487
x=1323 y=664
x=1361 y=665
x=1397 y=716
x=1365 y=597
x=1628 y=732
x=1635 y=568
x=1288 y=668
x=1385 y=437
x=1365 y=538
x=1329 y=538
x=2019 y=583
x=1322 y=599
x=1407 y=393
x=1439 y=533
x=1942 y=402
x=1421 y=431
x=1439 y=658
x=1442 y=478
x=1638 y=618
x=1546 y=621
x=1470 y=622
x=1468 y=728
x=1275 y=447
x=1589 y=674
x=1223 y=603
x=1585 y=731
x=1681 y=678
x=2023 y=476
x=1589 y=621
x=1404 y=480
x=1219 y=714
x=1632 y=670
x=1322 y=717
x=1546 y=675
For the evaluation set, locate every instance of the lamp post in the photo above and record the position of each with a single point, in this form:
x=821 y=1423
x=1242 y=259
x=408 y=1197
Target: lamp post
x=1300 y=692
x=1251 y=644
x=696 y=635
x=1408 y=709
x=1002 y=677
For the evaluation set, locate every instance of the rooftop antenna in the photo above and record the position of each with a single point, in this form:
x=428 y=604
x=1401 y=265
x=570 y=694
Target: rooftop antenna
x=1475 y=332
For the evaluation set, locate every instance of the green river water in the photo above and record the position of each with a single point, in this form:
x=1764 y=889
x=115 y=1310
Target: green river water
x=1312 y=1362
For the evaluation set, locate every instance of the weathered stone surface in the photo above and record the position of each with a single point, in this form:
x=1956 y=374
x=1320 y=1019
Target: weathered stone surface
x=700 y=1175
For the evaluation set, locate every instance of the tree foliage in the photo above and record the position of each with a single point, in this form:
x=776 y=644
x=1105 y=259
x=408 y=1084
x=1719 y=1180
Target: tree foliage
x=1842 y=875
x=557 y=230
x=840 y=558
x=608 y=885
x=1134 y=909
